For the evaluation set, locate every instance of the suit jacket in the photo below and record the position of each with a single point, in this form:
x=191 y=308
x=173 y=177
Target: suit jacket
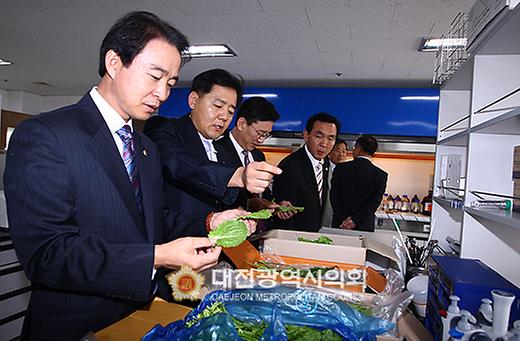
x=357 y=189
x=75 y=224
x=297 y=184
x=229 y=155
x=193 y=185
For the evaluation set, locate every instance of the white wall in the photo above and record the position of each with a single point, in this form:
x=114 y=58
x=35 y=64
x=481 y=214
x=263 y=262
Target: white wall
x=407 y=176
x=28 y=103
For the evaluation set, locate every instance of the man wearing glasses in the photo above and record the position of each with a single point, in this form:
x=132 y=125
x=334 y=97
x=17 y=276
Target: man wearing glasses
x=197 y=180
x=254 y=123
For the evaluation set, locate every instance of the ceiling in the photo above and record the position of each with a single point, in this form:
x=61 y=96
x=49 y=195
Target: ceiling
x=54 y=44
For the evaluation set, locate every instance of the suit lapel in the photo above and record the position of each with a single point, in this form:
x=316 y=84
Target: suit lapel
x=104 y=150
x=143 y=163
x=308 y=173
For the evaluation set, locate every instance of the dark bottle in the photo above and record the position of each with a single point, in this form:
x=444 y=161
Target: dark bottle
x=416 y=204
x=426 y=204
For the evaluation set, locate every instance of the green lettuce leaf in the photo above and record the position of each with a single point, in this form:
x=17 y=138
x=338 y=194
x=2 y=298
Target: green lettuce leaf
x=230 y=233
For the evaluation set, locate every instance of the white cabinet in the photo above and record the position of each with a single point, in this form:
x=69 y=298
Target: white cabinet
x=479 y=119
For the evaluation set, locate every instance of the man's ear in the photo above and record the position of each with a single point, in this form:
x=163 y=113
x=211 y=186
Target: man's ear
x=241 y=123
x=113 y=63
x=305 y=135
x=193 y=98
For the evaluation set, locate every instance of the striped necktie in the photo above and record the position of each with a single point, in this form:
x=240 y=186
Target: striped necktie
x=125 y=133
x=246 y=157
x=319 y=179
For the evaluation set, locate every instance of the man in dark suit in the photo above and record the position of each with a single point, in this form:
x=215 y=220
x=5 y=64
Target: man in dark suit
x=304 y=178
x=83 y=191
x=201 y=181
x=357 y=188
x=254 y=124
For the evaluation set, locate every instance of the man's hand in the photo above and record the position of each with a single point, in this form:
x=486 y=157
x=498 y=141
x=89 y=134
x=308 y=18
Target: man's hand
x=255 y=177
x=348 y=224
x=257 y=204
x=197 y=253
x=220 y=217
x=285 y=215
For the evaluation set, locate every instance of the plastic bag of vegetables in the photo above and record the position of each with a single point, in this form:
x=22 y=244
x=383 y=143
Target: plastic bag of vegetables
x=280 y=313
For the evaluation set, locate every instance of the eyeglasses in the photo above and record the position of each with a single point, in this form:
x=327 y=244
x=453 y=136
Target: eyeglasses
x=262 y=136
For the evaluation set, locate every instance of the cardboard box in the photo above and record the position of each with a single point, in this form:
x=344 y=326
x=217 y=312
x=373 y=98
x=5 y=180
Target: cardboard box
x=139 y=323
x=244 y=255
x=345 y=249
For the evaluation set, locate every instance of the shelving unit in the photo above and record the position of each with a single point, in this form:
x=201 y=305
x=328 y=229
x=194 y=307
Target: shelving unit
x=486 y=90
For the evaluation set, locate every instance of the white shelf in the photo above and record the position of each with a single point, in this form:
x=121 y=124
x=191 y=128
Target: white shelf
x=506 y=124
x=459 y=139
x=508 y=218
x=487 y=86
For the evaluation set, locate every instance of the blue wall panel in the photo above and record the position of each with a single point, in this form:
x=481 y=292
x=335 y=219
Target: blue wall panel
x=379 y=111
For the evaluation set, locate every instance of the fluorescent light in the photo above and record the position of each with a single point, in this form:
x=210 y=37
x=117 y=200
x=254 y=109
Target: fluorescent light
x=4 y=62
x=420 y=98
x=433 y=44
x=198 y=51
x=260 y=95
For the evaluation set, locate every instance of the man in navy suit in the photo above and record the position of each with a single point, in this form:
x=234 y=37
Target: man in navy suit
x=83 y=191
x=254 y=124
x=357 y=188
x=305 y=172
x=202 y=181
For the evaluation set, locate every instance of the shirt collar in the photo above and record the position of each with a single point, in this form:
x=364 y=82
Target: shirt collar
x=237 y=145
x=113 y=120
x=314 y=161
x=365 y=157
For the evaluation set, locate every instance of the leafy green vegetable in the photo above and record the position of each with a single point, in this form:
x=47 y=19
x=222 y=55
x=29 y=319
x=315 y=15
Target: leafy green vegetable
x=362 y=308
x=291 y=270
x=253 y=331
x=262 y=214
x=289 y=208
x=215 y=308
x=320 y=240
x=230 y=233
x=304 y=333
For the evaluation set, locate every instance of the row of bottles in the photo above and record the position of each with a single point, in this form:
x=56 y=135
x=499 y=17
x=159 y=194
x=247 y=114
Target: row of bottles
x=396 y=203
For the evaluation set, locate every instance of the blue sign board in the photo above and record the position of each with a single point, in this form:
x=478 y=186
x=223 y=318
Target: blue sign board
x=377 y=111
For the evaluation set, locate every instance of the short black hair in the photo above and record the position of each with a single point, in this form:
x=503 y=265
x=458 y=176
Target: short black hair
x=341 y=141
x=130 y=34
x=368 y=143
x=322 y=117
x=256 y=109
x=203 y=82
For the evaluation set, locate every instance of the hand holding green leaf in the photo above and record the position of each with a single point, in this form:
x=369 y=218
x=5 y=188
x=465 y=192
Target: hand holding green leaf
x=230 y=233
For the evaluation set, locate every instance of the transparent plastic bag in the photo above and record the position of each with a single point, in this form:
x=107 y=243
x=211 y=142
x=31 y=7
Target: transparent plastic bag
x=276 y=307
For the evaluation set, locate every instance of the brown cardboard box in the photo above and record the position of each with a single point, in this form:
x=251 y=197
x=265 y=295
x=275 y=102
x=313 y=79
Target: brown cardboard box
x=139 y=323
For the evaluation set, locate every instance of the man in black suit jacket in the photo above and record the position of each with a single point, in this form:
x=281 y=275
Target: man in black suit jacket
x=357 y=188
x=305 y=172
x=200 y=181
x=83 y=191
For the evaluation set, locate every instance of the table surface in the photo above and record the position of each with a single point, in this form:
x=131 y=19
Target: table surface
x=140 y=322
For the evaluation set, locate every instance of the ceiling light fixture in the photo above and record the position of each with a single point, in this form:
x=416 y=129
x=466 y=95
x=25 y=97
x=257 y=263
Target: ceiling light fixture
x=260 y=95
x=420 y=98
x=199 y=51
x=433 y=44
x=4 y=62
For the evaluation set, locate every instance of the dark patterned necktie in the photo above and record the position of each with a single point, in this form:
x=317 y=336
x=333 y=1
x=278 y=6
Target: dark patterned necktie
x=125 y=133
x=319 y=180
x=246 y=157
